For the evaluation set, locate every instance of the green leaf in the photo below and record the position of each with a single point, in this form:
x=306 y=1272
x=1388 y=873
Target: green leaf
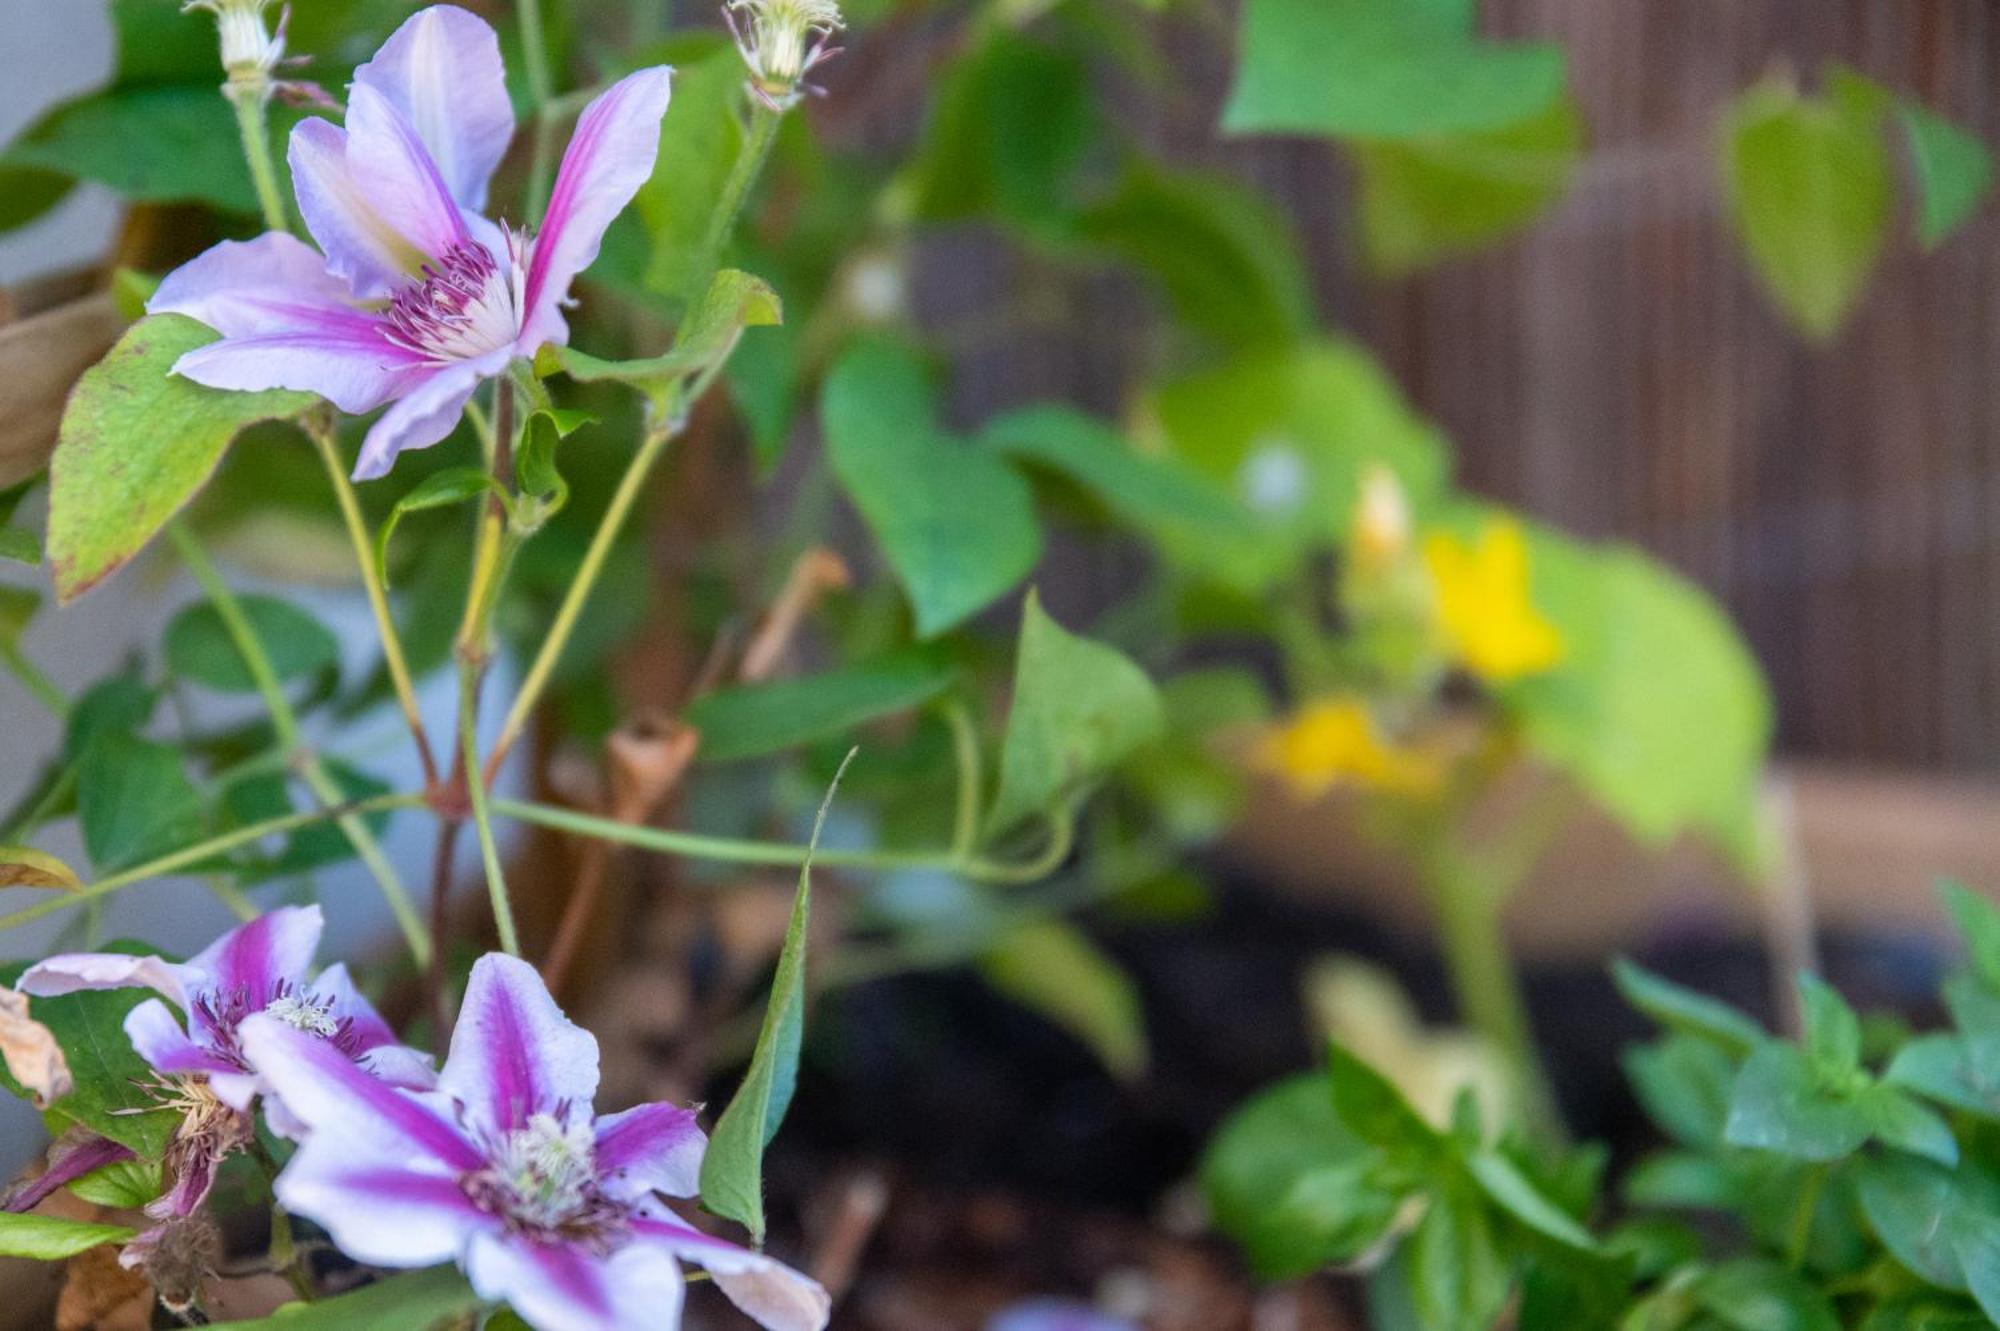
x=124 y=1185
x=136 y=443
x=1942 y=1068
x=1657 y=709
x=1080 y=708
x=1381 y=69
x=1459 y=1278
x=1750 y=1294
x=1293 y=1185
x=1929 y=1217
x=1010 y=130
x=20 y=546
x=1153 y=492
x=1052 y=967
x=955 y=523
x=1374 y=1110
x=1433 y=198
x=109 y=1098
x=440 y=489
x=1289 y=435
x=544 y=492
x=734 y=301
x=199 y=648
x=27 y=192
x=1978 y=922
x=417 y=1300
x=1811 y=191
x=1678 y=1008
x=756 y=720
x=1833 y=1032
x=47 y=1238
x=1954 y=172
x=154 y=144
x=1897 y=1120
x=22 y=867
x=134 y=801
x=698 y=145
x=1781 y=1105
x=1513 y=1192
x=17 y=606
x=1685 y=1083
x=119 y=705
x=1225 y=258
x=732 y=1171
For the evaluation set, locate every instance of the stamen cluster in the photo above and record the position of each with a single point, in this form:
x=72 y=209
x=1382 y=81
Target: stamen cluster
x=781 y=42
x=542 y=1181
x=465 y=306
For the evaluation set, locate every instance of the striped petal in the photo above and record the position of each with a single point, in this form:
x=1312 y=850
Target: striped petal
x=514 y=1054
x=567 y=1287
x=442 y=71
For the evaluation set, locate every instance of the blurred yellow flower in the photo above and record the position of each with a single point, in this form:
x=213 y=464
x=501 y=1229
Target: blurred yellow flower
x=1489 y=620
x=1335 y=740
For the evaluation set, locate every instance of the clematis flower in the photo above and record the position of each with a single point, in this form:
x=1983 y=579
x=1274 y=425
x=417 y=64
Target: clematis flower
x=505 y=1170
x=1485 y=604
x=259 y=967
x=413 y=297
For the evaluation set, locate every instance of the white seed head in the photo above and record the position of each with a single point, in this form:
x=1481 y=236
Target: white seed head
x=781 y=41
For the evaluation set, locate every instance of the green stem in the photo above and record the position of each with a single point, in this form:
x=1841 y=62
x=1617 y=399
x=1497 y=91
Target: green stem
x=1484 y=981
x=195 y=854
x=757 y=141
x=965 y=748
x=1800 y=1239
x=285 y=724
x=601 y=542
x=733 y=850
x=249 y=100
x=320 y=430
x=475 y=788
x=283 y=1253
x=33 y=680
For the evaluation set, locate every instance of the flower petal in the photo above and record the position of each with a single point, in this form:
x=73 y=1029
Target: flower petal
x=260 y=955
x=361 y=248
x=69 y=972
x=650 y=1148
x=341 y=1102
x=513 y=1053
x=442 y=70
x=777 y=1296
x=157 y=1037
x=368 y=1037
x=429 y=410
x=350 y=364
x=396 y=176
x=77 y=1153
x=241 y=288
x=380 y=1209
x=610 y=156
x=566 y=1287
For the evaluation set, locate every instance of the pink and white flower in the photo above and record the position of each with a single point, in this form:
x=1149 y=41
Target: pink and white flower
x=414 y=297
x=256 y=968
x=506 y=1169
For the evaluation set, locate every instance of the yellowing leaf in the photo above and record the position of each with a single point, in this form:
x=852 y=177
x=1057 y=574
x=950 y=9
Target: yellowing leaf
x=22 y=867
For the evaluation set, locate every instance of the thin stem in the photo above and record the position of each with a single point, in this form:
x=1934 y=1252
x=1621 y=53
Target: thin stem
x=1484 y=981
x=202 y=850
x=580 y=587
x=285 y=723
x=250 y=99
x=434 y=974
x=475 y=788
x=965 y=748
x=541 y=91
x=318 y=428
x=33 y=680
x=757 y=141
x=733 y=850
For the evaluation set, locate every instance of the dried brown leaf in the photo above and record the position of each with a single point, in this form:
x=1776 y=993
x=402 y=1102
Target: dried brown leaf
x=31 y=1053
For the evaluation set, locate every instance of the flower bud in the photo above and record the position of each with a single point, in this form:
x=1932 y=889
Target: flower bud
x=1381 y=520
x=781 y=41
x=249 y=51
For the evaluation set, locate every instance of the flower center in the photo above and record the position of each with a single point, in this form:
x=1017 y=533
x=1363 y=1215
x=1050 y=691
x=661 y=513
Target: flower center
x=467 y=304
x=543 y=1178
x=304 y=1013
